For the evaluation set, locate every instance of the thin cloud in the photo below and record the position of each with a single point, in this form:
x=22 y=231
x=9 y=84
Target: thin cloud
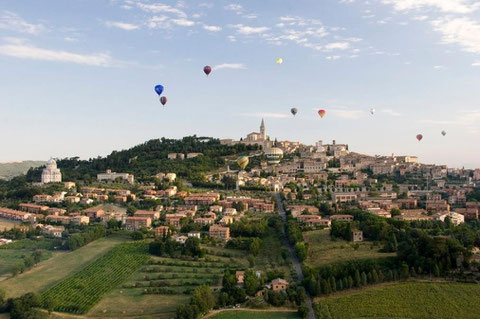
x=13 y=22
x=462 y=31
x=235 y=66
x=266 y=115
x=160 y=8
x=477 y=63
x=212 y=28
x=337 y=46
x=183 y=22
x=247 y=30
x=121 y=25
x=447 y=6
x=234 y=7
x=390 y=112
x=23 y=51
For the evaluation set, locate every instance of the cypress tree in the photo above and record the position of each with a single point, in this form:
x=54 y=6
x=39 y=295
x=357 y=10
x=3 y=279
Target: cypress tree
x=358 y=282
x=333 y=284
x=350 y=282
x=364 y=279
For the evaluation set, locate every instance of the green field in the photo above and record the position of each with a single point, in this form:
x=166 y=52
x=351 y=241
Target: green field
x=9 y=258
x=322 y=250
x=61 y=265
x=234 y=314
x=80 y=292
x=410 y=300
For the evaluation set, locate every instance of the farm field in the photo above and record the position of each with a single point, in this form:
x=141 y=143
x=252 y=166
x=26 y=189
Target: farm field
x=61 y=265
x=322 y=250
x=80 y=292
x=234 y=314
x=9 y=258
x=162 y=284
x=408 y=300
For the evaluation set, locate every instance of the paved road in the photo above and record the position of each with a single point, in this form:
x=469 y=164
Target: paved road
x=296 y=263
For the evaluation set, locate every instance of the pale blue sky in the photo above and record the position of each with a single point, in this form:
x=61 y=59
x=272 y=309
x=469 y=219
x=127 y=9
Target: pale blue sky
x=78 y=75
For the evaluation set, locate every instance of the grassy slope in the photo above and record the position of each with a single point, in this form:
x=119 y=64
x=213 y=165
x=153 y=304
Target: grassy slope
x=410 y=300
x=11 y=257
x=255 y=315
x=10 y=170
x=322 y=250
x=47 y=273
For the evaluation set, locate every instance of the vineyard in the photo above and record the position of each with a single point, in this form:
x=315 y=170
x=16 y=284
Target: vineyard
x=79 y=293
x=408 y=300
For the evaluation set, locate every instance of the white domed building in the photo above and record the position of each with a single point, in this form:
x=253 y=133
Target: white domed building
x=51 y=174
x=274 y=155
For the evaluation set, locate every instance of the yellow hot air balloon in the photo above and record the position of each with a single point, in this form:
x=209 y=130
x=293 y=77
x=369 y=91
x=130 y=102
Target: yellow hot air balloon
x=279 y=61
x=242 y=161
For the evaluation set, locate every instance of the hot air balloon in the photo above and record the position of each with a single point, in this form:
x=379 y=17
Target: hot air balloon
x=419 y=137
x=279 y=61
x=294 y=111
x=207 y=69
x=163 y=100
x=372 y=111
x=321 y=113
x=242 y=161
x=444 y=133
x=159 y=89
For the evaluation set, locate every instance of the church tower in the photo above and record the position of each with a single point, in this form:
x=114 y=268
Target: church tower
x=263 y=132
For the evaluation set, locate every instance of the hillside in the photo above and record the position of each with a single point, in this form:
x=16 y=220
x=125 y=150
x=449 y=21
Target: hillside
x=150 y=158
x=10 y=170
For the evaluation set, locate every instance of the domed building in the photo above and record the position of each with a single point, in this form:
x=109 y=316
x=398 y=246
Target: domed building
x=51 y=174
x=274 y=155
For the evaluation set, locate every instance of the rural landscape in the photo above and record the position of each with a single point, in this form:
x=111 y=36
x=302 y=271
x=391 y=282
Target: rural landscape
x=294 y=159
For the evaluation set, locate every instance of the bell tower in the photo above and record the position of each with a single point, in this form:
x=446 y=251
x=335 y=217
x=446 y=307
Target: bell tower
x=263 y=132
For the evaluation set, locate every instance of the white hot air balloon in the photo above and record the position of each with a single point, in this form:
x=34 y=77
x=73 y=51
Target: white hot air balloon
x=372 y=111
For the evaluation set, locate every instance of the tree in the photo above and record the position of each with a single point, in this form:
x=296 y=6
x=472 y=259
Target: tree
x=255 y=246
x=303 y=311
x=358 y=279
x=364 y=279
x=137 y=235
x=203 y=298
x=404 y=271
x=49 y=303
x=301 y=251
x=251 y=283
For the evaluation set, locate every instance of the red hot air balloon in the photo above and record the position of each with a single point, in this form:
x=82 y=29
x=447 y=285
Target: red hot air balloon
x=321 y=113
x=163 y=100
x=419 y=137
x=207 y=69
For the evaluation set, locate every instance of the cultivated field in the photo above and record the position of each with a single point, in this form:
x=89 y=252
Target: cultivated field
x=408 y=300
x=162 y=284
x=61 y=265
x=233 y=314
x=81 y=291
x=322 y=250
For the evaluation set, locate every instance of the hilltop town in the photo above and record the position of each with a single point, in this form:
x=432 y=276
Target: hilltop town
x=181 y=219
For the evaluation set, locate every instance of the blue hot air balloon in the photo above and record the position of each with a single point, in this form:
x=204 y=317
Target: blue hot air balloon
x=159 y=89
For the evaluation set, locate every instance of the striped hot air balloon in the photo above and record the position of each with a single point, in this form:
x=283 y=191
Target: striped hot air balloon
x=242 y=161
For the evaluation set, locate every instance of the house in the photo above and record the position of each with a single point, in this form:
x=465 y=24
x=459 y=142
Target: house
x=112 y=176
x=32 y=208
x=180 y=239
x=94 y=212
x=80 y=220
x=240 y=276
x=136 y=223
x=227 y=220
x=342 y=218
x=318 y=222
x=154 y=215
x=55 y=231
x=204 y=221
x=279 y=284
x=344 y=197
x=162 y=231
x=195 y=234
x=357 y=235
x=219 y=232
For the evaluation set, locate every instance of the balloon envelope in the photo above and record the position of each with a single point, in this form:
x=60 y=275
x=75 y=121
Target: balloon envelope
x=294 y=111
x=321 y=113
x=163 y=100
x=242 y=161
x=207 y=69
x=444 y=133
x=372 y=111
x=279 y=60
x=159 y=89
x=419 y=137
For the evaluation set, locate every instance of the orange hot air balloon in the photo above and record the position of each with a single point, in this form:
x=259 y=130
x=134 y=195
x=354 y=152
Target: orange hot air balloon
x=419 y=137
x=321 y=113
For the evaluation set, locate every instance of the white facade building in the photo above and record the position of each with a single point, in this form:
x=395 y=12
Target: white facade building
x=51 y=174
x=111 y=176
